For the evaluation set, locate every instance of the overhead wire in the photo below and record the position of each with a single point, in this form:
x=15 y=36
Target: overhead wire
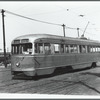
x=40 y=20
x=36 y=19
x=70 y=28
x=32 y=18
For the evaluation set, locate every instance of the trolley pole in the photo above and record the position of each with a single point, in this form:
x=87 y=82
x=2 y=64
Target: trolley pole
x=63 y=29
x=4 y=37
x=78 y=31
x=85 y=28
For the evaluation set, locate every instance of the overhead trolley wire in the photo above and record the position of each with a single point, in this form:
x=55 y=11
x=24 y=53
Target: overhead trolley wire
x=36 y=19
x=32 y=18
x=70 y=28
x=39 y=20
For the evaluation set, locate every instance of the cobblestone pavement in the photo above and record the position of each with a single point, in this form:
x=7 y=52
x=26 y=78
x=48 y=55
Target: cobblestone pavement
x=83 y=82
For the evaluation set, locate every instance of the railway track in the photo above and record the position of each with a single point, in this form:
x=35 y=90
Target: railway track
x=83 y=82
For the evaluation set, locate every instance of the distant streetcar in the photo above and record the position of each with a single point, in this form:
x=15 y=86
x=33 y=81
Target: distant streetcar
x=40 y=54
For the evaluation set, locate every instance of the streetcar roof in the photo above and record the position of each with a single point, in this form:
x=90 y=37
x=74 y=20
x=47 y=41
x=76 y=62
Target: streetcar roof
x=34 y=37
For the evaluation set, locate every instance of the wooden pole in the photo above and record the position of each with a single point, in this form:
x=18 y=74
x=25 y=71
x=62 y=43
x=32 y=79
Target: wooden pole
x=4 y=37
x=78 y=31
x=63 y=29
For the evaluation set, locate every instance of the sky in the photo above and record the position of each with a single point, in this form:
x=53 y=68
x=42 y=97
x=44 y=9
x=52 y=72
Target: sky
x=58 y=12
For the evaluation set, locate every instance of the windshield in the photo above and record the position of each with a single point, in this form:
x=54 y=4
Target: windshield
x=25 y=48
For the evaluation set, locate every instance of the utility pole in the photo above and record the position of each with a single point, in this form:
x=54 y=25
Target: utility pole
x=63 y=29
x=4 y=37
x=78 y=31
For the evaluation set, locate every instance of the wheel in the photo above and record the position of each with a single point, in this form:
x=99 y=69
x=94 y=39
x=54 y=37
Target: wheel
x=93 y=65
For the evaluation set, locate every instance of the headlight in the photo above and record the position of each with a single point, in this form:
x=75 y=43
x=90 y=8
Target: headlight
x=17 y=64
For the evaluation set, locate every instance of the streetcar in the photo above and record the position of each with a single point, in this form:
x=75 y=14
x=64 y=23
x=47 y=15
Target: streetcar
x=42 y=54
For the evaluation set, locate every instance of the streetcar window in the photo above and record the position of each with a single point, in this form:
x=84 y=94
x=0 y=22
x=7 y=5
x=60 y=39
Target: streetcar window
x=15 y=49
x=26 y=48
x=47 y=48
x=72 y=48
x=42 y=48
x=67 y=48
x=52 y=48
x=38 y=47
x=82 y=49
x=62 y=48
x=98 y=49
x=88 y=49
x=75 y=49
x=56 y=48
x=93 y=49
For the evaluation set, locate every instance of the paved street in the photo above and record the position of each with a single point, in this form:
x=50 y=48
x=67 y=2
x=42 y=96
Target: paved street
x=84 y=82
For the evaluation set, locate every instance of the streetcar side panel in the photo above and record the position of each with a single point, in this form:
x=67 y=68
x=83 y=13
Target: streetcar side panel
x=52 y=62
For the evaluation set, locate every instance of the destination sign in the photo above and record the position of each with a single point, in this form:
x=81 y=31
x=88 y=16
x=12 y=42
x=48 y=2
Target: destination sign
x=16 y=41
x=24 y=40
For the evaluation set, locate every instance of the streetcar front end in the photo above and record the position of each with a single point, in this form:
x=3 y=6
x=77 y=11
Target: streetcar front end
x=22 y=59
